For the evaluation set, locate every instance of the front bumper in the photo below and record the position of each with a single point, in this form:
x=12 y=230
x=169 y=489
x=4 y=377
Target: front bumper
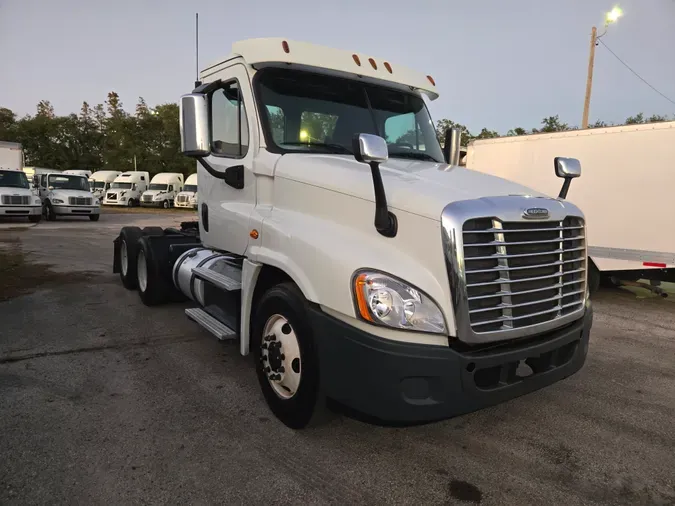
x=75 y=210
x=154 y=203
x=185 y=205
x=20 y=210
x=107 y=202
x=402 y=382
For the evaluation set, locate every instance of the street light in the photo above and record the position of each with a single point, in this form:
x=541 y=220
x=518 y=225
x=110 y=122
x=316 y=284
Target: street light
x=611 y=17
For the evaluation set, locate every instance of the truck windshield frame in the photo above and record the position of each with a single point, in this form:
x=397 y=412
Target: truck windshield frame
x=190 y=188
x=119 y=185
x=98 y=185
x=307 y=112
x=68 y=182
x=13 y=179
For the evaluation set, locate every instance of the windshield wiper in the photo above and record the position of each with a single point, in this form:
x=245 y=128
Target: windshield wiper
x=337 y=148
x=413 y=155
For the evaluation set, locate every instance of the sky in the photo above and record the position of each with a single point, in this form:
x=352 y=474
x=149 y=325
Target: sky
x=497 y=64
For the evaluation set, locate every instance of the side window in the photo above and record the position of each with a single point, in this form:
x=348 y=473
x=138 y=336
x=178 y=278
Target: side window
x=229 y=127
x=404 y=131
x=278 y=123
x=43 y=182
x=142 y=178
x=170 y=187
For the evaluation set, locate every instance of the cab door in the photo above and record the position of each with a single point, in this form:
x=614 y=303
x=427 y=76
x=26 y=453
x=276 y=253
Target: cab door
x=225 y=206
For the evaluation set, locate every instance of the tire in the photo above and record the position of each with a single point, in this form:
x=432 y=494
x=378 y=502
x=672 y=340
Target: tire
x=129 y=237
x=130 y=203
x=153 y=231
x=281 y=312
x=35 y=218
x=94 y=217
x=593 y=278
x=152 y=287
x=49 y=212
x=165 y=204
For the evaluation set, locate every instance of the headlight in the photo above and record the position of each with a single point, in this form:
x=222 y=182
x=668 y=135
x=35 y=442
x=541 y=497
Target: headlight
x=157 y=197
x=37 y=202
x=384 y=300
x=57 y=201
x=122 y=199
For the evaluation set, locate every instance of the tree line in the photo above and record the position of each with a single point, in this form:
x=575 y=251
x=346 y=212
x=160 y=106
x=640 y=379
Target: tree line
x=105 y=136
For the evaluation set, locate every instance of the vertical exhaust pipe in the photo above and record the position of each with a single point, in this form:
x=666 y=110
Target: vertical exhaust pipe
x=453 y=137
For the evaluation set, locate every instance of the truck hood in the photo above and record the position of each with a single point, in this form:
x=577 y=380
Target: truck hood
x=64 y=194
x=418 y=187
x=155 y=193
x=10 y=190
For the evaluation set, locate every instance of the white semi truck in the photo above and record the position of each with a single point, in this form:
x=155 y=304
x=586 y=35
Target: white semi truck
x=126 y=189
x=626 y=195
x=337 y=245
x=67 y=195
x=163 y=190
x=101 y=180
x=188 y=197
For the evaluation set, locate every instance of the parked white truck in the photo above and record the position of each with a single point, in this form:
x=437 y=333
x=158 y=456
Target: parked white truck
x=626 y=195
x=339 y=247
x=163 y=190
x=101 y=180
x=126 y=189
x=188 y=197
x=67 y=195
x=16 y=196
x=78 y=172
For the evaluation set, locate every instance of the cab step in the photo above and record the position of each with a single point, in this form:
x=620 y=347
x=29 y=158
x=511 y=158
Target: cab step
x=217 y=328
x=220 y=280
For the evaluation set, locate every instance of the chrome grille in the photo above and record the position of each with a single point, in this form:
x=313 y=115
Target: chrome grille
x=79 y=201
x=519 y=274
x=16 y=200
x=111 y=196
x=182 y=199
x=147 y=198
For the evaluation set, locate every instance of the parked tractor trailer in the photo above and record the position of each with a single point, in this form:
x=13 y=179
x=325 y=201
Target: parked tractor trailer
x=352 y=260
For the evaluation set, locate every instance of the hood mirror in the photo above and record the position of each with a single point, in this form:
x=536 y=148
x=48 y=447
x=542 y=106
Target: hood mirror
x=568 y=169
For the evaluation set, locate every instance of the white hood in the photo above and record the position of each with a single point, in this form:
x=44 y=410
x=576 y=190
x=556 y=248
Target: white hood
x=10 y=190
x=422 y=188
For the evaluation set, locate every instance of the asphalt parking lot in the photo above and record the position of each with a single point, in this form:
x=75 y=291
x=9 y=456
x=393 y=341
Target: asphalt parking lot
x=105 y=401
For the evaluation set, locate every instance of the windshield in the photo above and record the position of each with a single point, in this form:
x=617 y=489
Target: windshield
x=13 y=179
x=68 y=182
x=190 y=188
x=315 y=113
x=123 y=186
x=157 y=187
x=99 y=185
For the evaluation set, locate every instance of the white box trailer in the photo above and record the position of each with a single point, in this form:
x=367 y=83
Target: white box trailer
x=626 y=193
x=11 y=155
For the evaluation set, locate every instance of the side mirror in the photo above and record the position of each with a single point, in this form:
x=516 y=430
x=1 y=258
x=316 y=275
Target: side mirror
x=568 y=169
x=370 y=148
x=50 y=188
x=194 y=125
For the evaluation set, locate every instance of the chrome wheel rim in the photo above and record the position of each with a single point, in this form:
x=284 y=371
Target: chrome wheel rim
x=280 y=356
x=142 y=272
x=124 y=258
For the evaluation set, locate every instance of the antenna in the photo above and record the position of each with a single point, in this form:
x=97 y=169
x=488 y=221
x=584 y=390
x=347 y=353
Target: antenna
x=197 y=81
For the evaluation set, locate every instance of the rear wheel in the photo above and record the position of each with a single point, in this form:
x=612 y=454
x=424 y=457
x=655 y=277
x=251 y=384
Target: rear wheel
x=129 y=237
x=153 y=288
x=286 y=359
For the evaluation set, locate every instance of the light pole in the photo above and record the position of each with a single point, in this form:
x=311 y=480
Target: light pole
x=611 y=17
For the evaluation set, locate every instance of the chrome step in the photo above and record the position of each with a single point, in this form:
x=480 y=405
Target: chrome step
x=218 y=329
x=220 y=280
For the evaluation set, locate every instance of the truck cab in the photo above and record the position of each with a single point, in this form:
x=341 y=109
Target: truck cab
x=126 y=189
x=101 y=180
x=17 y=197
x=163 y=190
x=188 y=197
x=67 y=195
x=337 y=245
x=78 y=172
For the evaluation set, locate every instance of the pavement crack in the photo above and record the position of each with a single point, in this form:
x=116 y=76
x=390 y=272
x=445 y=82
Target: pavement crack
x=93 y=349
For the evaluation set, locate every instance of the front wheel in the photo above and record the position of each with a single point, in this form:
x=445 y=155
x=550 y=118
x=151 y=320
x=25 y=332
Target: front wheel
x=165 y=204
x=94 y=217
x=35 y=218
x=48 y=212
x=130 y=203
x=286 y=360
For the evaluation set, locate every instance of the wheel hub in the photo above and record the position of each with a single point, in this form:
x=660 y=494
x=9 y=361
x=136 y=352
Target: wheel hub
x=280 y=356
